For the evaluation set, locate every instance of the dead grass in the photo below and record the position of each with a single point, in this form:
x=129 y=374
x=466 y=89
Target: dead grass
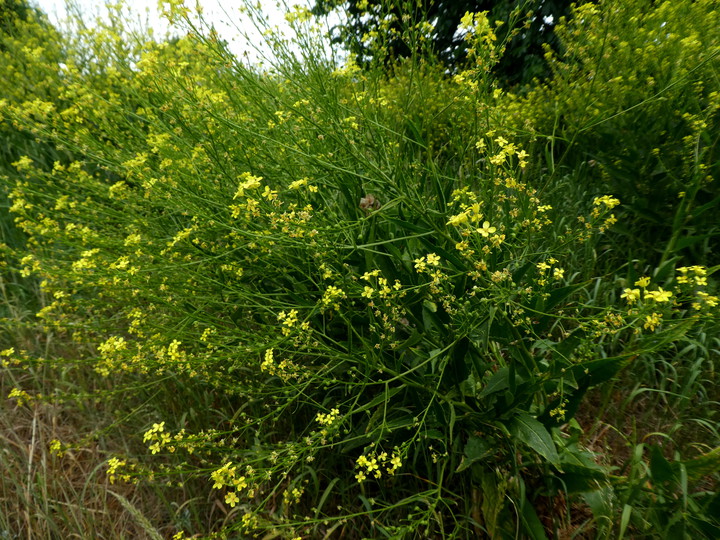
x=43 y=495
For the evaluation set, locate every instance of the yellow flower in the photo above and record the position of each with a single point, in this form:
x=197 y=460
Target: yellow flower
x=659 y=295
x=607 y=200
x=251 y=182
x=298 y=183
x=269 y=194
x=652 y=321
x=232 y=499
x=486 y=230
x=433 y=259
x=458 y=219
x=631 y=295
x=709 y=300
x=642 y=282
x=498 y=159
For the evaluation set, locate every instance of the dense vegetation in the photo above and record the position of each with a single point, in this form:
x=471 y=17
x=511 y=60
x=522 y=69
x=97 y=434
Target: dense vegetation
x=320 y=299
x=527 y=30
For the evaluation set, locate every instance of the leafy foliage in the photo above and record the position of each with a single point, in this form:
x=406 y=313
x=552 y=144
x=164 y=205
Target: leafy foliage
x=521 y=62
x=379 y=324
x=633 y=102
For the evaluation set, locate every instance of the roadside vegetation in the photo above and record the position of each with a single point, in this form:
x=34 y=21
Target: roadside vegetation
x=317 y=299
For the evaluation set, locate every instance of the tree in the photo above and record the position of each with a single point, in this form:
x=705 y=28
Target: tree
x=524 y=56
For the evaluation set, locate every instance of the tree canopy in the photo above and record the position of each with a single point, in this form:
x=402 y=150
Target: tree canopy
x=523 y=59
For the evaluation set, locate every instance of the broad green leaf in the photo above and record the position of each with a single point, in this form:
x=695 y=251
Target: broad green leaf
x=533 y=525
x=535 y=435
x=660 y=468
x=476 y=449
x=594 y=372
x=499 y=382
x=380 y=398
x=703 y=465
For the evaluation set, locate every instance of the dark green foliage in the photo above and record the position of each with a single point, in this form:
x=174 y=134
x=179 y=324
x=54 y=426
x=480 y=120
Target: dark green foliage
x=523 y=59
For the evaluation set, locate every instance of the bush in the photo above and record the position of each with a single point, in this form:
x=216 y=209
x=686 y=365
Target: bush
x=394 y=340
x=632 y=107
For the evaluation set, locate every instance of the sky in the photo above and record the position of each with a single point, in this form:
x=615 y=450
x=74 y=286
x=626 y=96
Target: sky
x=226 y=20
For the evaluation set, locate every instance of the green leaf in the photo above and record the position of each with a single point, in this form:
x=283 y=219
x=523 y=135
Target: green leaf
x=476 y=449
x=498 y=382
x=556 y=296
x=624 y=520
x=457 y=369
x=415 y=338
x=688 y=241
x=703 y=465
x=407 y=225
x=660 y=468
x=380 y=398
x=486 y=330
x=600 y=504
x=594 y=372
x=532 y=433
x=532 y=523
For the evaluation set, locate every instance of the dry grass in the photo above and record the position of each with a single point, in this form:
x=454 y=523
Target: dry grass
x=43 y=495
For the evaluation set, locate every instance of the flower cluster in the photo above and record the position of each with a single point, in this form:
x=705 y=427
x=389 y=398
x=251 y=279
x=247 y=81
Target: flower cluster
x=286 y=369
x=373 y=465
x=331 y=298
x=158 y=437
x=115 y=470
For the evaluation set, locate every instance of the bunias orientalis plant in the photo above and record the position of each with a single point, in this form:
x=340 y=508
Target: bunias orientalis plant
x=632 y=109
x=400 y=337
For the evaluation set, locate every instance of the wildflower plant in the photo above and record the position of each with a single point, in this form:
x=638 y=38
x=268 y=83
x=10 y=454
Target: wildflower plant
x=400 y=334
x=624 y=69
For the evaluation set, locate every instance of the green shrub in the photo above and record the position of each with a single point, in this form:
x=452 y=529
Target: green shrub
x=397 y=329
x=633 y=102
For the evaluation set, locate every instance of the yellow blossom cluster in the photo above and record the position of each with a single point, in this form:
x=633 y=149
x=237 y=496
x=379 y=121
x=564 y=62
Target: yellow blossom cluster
x=288 y=321
x=292 y=495
x=422 y=263
x=373 y=465
x=21 y=397
x=111 y=355
x=331 y=298
x=327 y=419
x=633 y=295
x=558 y=273
x=228 y=477
x=696 y=275
x=652 y=321
x=603 y=205
x=157 y=437
x=118 y=469
x=285 y=369
x=248 y=182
